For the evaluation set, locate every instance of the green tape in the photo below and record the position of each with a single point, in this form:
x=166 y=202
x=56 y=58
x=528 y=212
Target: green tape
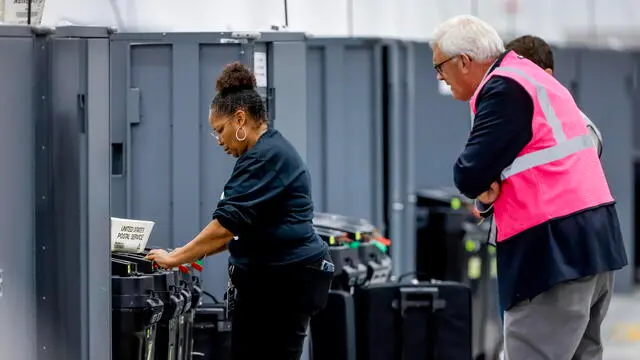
x=470 y=245
x=494 y=268
x=474 y=268
x=354 y=244
x=456 y=204
x=380 y=245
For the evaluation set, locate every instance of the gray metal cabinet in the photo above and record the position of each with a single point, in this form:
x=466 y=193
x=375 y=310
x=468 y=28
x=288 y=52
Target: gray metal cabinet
x=347 y=132
x=567 y=65
x=398 y=124
x=606 y=94
x=442 y=125
x=72 y=193
x=344 y=124
x=635 y=89
x=17 y=220
x=434 y=132
x=286 y=91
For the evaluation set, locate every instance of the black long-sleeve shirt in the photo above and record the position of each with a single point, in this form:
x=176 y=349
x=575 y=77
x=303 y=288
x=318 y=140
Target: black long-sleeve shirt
x=267 y=205
x=562 y=249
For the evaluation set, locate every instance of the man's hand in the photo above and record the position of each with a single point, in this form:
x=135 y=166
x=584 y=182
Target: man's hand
x=489 y=196
x=475 y=212
x=162 y=258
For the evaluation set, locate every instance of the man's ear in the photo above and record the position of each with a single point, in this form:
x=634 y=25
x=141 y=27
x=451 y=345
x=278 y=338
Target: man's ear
x=465 y=61
x=549 y=71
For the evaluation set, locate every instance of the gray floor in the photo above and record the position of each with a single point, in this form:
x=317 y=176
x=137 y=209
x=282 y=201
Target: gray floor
x=621 y=329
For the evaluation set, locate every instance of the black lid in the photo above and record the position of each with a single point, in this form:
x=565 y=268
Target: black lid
x=134 y=285
x=122 y=267
x=176 y=276
x=443 y=196
x=327 y=233
x=163 y=281
x=144 y=265
x=342 y=223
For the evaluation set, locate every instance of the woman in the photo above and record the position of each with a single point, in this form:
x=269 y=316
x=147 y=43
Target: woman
x=280 y=270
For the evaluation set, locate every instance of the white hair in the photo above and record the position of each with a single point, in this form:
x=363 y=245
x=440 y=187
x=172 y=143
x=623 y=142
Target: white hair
x=467 y=34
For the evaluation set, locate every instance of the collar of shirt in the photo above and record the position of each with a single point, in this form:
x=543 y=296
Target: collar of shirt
x=491 y=68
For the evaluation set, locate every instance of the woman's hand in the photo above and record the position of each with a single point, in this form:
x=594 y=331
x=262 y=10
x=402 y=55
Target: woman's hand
x=489 y=196
x=162 y=258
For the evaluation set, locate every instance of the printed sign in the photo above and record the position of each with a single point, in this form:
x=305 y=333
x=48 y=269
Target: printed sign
x=17 y=11
x=260 y=68
x=129 y=235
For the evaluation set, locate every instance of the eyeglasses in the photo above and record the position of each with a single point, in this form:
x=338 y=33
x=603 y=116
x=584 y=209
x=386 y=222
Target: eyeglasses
x=438 y=66
x=215 y=135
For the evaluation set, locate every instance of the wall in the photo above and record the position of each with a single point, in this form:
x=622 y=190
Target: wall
x=608 y=21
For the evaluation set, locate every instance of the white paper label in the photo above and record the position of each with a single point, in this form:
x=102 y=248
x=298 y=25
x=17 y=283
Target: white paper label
x=16 y=11
x=260 y=68
x=129 y=235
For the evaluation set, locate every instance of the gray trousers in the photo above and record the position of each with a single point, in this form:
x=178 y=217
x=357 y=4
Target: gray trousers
x=560 y=324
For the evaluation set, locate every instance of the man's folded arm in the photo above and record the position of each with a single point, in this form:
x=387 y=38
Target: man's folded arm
x=501 y=129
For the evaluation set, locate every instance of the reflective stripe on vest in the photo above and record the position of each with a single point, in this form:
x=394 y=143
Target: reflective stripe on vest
x=563 y=148
x=545 y=156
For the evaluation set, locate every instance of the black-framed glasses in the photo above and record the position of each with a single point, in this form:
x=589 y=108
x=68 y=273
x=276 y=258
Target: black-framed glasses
x=438 y=66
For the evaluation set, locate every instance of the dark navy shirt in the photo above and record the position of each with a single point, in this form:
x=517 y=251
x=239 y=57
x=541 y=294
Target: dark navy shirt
x=562 y=249
x=267 y=205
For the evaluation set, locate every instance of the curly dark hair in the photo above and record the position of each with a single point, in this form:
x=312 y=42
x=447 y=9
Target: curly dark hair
x=236 y=90
x=533 y=48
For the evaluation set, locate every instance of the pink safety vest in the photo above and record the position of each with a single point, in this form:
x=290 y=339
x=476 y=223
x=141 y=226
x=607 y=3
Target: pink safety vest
x=558 y=172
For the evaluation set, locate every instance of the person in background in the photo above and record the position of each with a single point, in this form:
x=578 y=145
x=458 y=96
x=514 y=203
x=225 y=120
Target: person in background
x=529 y=154
x=280 y=270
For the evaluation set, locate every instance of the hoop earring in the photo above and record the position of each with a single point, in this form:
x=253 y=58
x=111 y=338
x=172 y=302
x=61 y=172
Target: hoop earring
x=245 y=134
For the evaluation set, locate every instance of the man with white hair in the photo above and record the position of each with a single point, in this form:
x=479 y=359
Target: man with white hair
x=529 y=155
